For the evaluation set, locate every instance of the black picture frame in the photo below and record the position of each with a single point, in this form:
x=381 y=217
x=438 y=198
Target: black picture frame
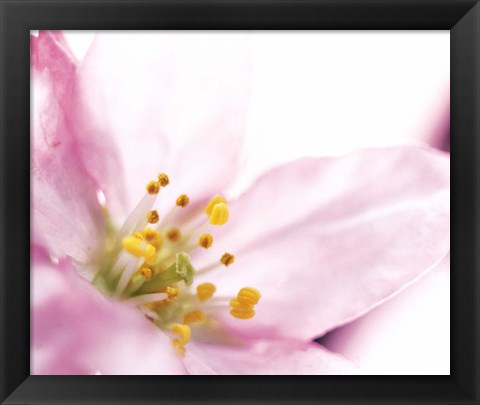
x=18 y=17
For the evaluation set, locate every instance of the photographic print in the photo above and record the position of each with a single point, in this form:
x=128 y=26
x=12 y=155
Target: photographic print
x=240 y=203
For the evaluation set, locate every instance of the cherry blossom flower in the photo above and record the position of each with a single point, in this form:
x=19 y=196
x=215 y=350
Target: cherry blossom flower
x=141 y=264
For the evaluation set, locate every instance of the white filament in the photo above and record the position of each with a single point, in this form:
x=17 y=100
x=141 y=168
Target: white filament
x=138 y=217
x=128 y=272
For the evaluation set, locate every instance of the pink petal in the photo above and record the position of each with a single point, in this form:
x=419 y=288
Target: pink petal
x=66 y=214
x=174 y=103
x=76 y=330
x=439 y=134
x=435 y=128
x=333 y=189
x=408 y=335
x=325 y=240
x=264 y=357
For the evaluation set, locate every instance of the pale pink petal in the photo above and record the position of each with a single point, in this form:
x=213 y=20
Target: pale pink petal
x=65 y=211
x=172 y=102
x=408 y=335
x=439 y=136
x=335 y=189
x=76 y=330
x=435 y=130
x=262 y=357
x=325 y=240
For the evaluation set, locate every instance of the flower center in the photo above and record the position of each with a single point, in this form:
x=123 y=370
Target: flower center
x=147 y=264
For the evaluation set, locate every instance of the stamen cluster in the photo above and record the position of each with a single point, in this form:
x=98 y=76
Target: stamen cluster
x=148 y=265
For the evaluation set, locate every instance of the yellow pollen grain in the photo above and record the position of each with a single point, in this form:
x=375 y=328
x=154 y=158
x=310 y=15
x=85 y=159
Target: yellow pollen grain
x=172 y=292
x=146 y=272
x=194 y=317
x=150 y=254
x=182 y=200
x=153 y=217
x=183 y=332
x=153 y=187
x=163 y=180
x=172 y=296
x=138 y=235
x=219 y=214
x=205 y=291
x=153 y=237
x=179 y=349
x=133 y=246
x=215 y=200
x=242 y=314
x=227 y=259
x=243 y=305
x=150 y=250
x=205 y=240
x=240 y=310
x=173 y=234
x=248 y=296
x=236 y=304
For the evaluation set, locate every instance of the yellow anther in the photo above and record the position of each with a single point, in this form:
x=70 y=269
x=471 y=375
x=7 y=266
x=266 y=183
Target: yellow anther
x=138 y=235
x=235 y=303
x=133 y=245
x=163 y=180
x=179 y=348
x=172 y=292
x=150 y=254
x=205 y=291
x=174 y=234
x=240 y=310
x=219 y=214
x=183 y=332
x=194 y=317
x=215 y=200
x=172 y=296
x=242 y=313
x=205 y=240
x=248 y=296
x=153 y=187
x=242 y=306
x=146 y=272
x=183 y=200
x=153 y=237
x=153 y=217
x=227 y=259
